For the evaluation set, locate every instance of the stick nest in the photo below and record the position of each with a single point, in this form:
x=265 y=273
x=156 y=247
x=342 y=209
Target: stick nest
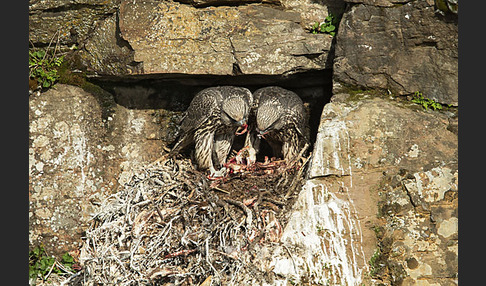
x=170 y=225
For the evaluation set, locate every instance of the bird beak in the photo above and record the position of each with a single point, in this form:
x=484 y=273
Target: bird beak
x=261 y=134
x=243 y=127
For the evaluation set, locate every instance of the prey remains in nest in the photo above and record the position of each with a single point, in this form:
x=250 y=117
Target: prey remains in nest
x=239 y=165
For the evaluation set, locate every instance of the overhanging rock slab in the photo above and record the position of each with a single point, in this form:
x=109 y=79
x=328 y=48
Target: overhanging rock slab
x=170 y=37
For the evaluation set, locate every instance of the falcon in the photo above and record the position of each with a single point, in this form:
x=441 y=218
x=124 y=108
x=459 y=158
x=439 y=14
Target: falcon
x=278 y=116
x=212 y=120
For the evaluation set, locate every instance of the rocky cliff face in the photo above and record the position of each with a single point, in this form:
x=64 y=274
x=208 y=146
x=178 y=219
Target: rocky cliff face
x=70 y=21
x=404 y=48
x=379 y=201
x=78 y=157
x=400 y=182
x=251 y=39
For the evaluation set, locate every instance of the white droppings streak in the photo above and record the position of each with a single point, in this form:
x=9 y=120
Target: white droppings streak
x=327 y=235
x=324 y=231
x=82 y=156
x=328 y=160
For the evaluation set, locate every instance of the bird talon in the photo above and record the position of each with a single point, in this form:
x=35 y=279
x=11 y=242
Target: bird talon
x=217 y=175
x=251 y=158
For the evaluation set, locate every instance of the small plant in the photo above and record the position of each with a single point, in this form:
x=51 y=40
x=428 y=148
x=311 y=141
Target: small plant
x=41 y=265
x=68 y=262
x=328 y=26
x=374 y=267
x=43 y=67
x=425 y=102
x=44 y=64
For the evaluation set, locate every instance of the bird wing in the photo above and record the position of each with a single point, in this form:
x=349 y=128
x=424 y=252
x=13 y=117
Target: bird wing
x=295 y=111
x=289 y=102
x=204 y=105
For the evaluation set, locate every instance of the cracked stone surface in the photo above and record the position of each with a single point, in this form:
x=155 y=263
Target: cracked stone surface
x=77 y=158
x=396 y=164
x=390 y=165
x=73 y=19
x=170 y=37
x=402 y=48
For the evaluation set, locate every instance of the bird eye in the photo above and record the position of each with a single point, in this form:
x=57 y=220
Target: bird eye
x=228 y=117
x=271 y=127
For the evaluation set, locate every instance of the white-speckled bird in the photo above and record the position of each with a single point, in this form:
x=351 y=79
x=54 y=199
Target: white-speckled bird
x=213 y=119
x=278 y=116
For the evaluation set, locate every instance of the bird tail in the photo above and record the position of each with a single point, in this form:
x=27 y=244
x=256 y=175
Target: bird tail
x=181 y=142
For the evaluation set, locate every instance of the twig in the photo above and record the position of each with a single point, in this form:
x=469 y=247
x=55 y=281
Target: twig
x=256 y=206
x=32 y=43
x=164 y=157
x=158 y=182
x=62 y=267
x=50 y=270
x=283 y=179
x=159 y=213
x=166 y=149
x=57 y=44
x=70 y=278
x=184 y=252
x=47 y=49
x=224 y=205
x=291 y=257
x=227 y=255
x=207 y=258
x=302 y=151
x=207 y=281
x=279 y=203
x=248 y=213
x=296 y=178
x=142 y=203
x=220 y=190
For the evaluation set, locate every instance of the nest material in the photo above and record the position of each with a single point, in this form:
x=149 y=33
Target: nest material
x=171 y=226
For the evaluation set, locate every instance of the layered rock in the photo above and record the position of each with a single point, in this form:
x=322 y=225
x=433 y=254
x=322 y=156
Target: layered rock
x=379 y=206
x=66 y=22
x=78 y=155
x=387 y=185
x=401 y=48
x=205 y=3
x=62 y=154
x=170 y=37
x=418 y=240
x=380 y=201
x=381 y=195
x=105 y=52
x=190 y=37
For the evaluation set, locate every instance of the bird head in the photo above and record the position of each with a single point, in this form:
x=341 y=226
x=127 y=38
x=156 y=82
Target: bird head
x=268 y=119
x=235 y=113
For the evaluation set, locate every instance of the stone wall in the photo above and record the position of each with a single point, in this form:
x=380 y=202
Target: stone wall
x=70 y=21
x=397 y=166
x=403 y=48
x=77 y=158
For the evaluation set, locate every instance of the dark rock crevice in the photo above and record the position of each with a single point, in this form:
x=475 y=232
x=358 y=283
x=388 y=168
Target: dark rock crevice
x=173 y=92
x=68 y=7
x=217 y=3
x=229 y=3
